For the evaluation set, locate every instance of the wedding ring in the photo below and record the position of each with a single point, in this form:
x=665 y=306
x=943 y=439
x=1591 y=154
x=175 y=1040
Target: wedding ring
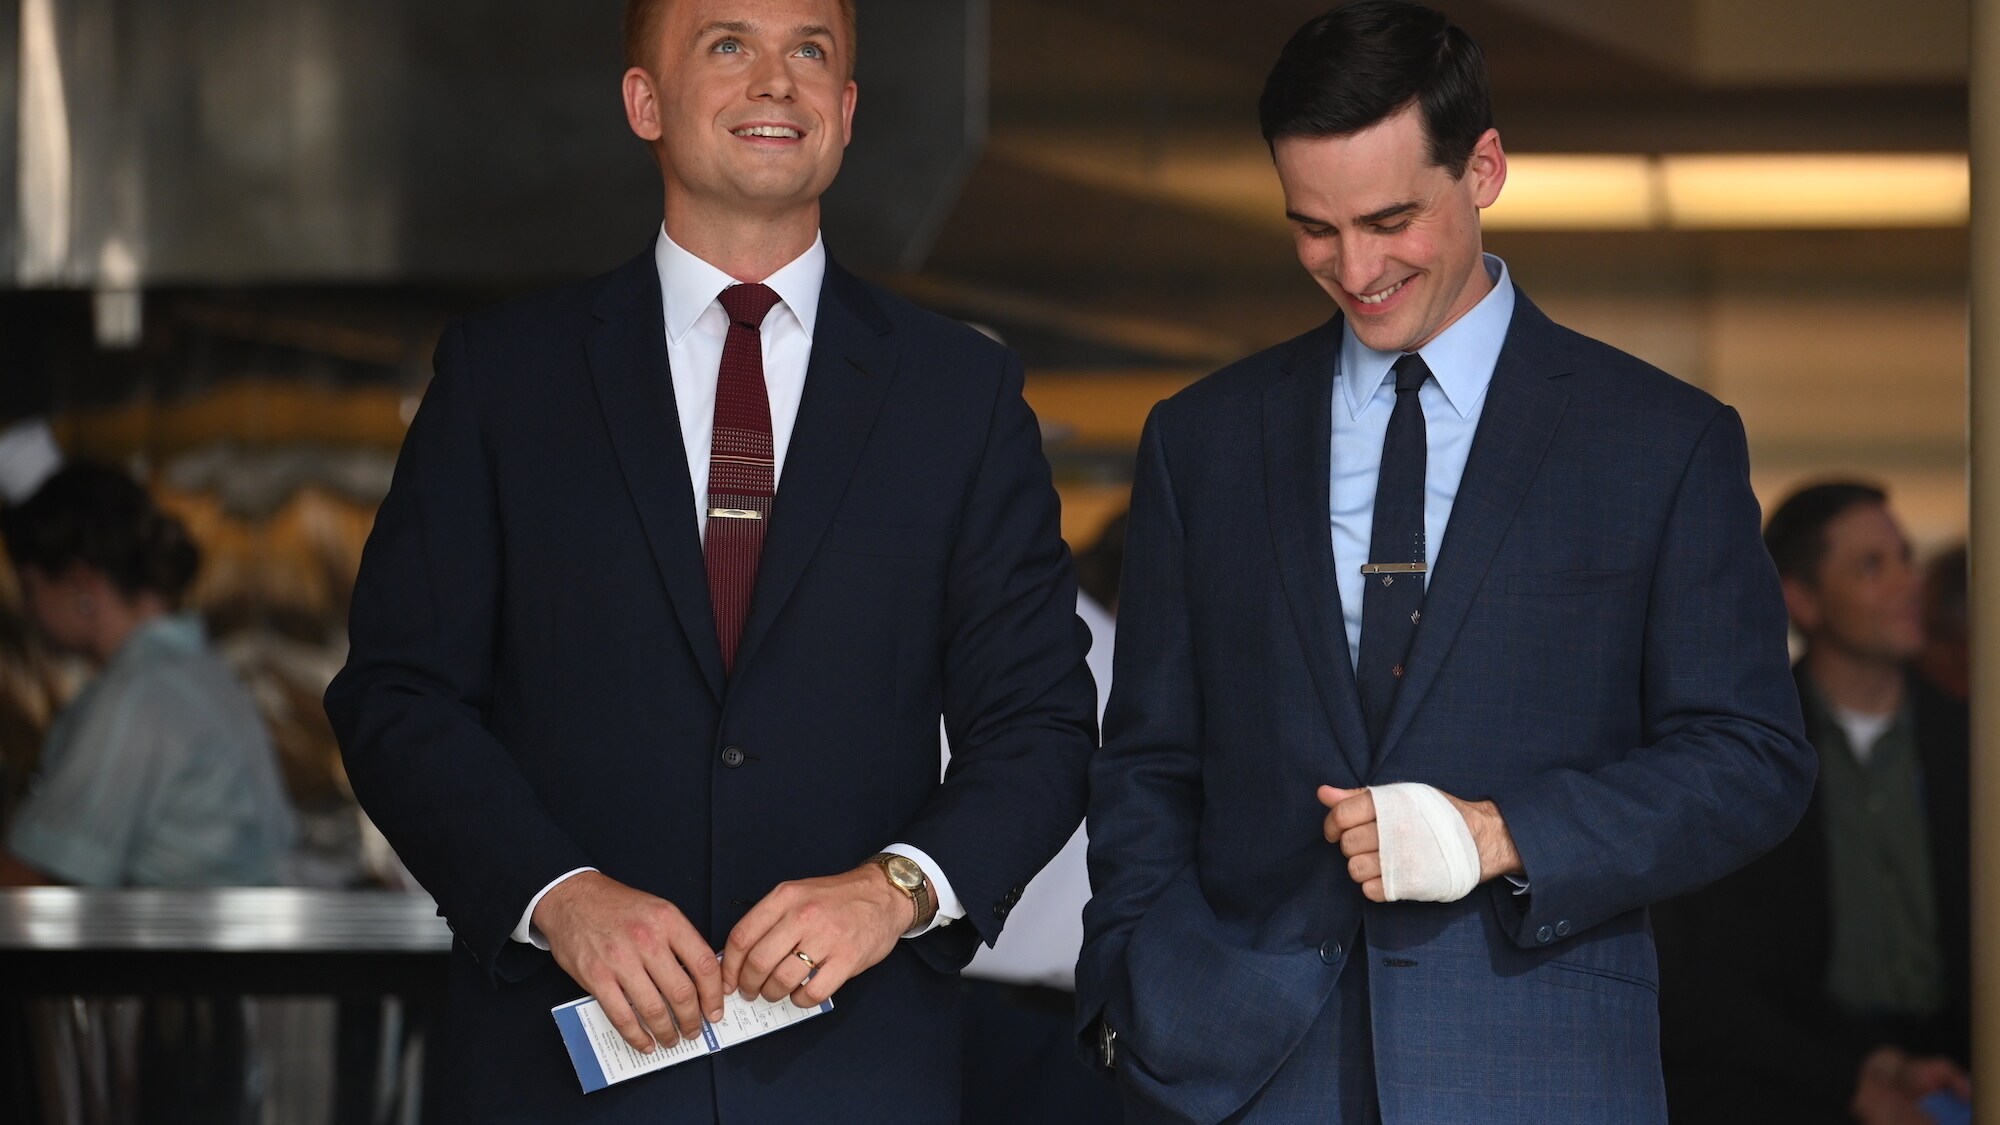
x=801 y=955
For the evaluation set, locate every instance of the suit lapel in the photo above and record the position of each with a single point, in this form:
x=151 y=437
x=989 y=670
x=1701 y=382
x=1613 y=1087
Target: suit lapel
x=635 y=389
x=852 y=365
x=1524 y=403
x=1298 y=435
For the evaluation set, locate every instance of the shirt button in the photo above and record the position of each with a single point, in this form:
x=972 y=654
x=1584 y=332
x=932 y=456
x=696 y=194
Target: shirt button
x=1330 y=951
x=732 y=757
x=1545 y=935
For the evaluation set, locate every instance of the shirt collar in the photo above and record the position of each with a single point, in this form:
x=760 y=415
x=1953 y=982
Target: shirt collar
x=689 y=285
x=167 y=633
x=1461 y=359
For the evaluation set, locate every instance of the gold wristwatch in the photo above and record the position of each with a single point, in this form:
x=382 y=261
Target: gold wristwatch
x=907 y=877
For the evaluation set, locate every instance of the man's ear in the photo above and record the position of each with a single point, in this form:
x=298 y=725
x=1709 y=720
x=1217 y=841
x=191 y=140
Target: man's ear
x=848 y=97
x=1802 y=603
x=1488 y=168
x=642 y=105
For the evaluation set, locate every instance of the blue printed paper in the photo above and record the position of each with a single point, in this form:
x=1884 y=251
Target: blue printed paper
x=602 y=1057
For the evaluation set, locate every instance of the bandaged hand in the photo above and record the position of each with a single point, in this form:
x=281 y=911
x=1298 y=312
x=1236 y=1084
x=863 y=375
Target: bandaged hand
x=1409 y=842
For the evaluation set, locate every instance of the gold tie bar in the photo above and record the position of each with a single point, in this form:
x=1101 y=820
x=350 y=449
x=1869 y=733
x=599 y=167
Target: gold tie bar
x=1394 y=568
x=734 y=514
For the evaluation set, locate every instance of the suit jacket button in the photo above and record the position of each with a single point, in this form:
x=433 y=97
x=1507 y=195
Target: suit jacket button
x=732 y=757
x=1545 y=935
x=1000 y=911
x=1562 y=928
x=1330 y=951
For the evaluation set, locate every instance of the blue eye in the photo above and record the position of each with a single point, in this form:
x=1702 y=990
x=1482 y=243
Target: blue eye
x=813 y=51
x=729 y=47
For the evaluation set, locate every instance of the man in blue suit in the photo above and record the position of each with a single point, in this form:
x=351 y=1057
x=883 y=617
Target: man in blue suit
x=679 y=569
x=1448 y=644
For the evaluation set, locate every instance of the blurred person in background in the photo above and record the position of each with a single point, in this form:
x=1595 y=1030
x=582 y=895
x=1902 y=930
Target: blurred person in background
x=1020 y=994
x=160 y=773
x=1947 y=658
x=1831 y=979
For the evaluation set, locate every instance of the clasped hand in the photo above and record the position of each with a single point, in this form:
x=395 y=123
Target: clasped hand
x=1351 y=823
x=656 y=977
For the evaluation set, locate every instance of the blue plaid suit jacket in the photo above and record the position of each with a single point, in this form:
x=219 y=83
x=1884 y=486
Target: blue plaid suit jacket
x=1602 y=654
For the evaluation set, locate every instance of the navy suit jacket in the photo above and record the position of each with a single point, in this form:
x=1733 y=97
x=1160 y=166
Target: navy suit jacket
x=535 y=683
x=1602 y=654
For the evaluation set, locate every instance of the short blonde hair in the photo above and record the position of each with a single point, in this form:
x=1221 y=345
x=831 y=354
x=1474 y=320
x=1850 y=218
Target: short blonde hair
x=642 y=31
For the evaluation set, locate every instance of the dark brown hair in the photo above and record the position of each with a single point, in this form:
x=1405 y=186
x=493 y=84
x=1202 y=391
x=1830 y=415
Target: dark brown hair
x=100 y=517
x=1796 y=533
x=1360 y=64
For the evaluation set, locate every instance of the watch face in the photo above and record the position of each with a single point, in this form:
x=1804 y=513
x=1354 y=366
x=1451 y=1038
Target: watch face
x=904 y=872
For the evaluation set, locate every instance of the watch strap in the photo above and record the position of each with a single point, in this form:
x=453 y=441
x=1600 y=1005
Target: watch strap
x=922 y=897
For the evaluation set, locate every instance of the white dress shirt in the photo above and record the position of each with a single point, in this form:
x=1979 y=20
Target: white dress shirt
x=696 y=330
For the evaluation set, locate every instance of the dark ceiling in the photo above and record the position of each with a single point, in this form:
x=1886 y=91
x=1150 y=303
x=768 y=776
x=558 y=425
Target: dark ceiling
x=1082 y=276
x=1035 y=251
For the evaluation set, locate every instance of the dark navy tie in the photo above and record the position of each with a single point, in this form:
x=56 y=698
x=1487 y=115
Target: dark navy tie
x=1393 y=580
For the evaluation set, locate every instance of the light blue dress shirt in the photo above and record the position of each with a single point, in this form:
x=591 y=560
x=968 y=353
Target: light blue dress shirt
x=160 y=774
x=1461 y=360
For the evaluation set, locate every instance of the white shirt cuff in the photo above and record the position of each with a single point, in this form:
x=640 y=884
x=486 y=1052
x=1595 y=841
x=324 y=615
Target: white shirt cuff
x=526 y=933
x=949 y=909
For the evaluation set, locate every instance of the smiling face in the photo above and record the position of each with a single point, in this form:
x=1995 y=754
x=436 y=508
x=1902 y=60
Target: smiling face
x=1390 y=236
x=748 y=103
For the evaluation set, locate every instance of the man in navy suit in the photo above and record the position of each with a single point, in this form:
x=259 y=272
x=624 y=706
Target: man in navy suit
x=679 y=569
x=1448 y=644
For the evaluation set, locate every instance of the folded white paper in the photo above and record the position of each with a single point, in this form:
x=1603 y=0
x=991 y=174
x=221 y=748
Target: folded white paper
x=601 y=1055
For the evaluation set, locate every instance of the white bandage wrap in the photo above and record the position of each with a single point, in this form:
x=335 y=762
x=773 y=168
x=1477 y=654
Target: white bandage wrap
x=1428 y=854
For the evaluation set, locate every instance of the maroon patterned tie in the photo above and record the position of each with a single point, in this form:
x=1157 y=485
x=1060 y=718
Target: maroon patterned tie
x=741 y=466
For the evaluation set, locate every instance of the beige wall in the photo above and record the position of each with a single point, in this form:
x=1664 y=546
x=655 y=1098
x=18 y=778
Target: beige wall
x=1766 y=42
x=1828 y=384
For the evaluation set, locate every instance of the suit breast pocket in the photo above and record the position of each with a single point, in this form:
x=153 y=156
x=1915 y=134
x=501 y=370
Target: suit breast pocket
x=917 y=543
x=1566 y=583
